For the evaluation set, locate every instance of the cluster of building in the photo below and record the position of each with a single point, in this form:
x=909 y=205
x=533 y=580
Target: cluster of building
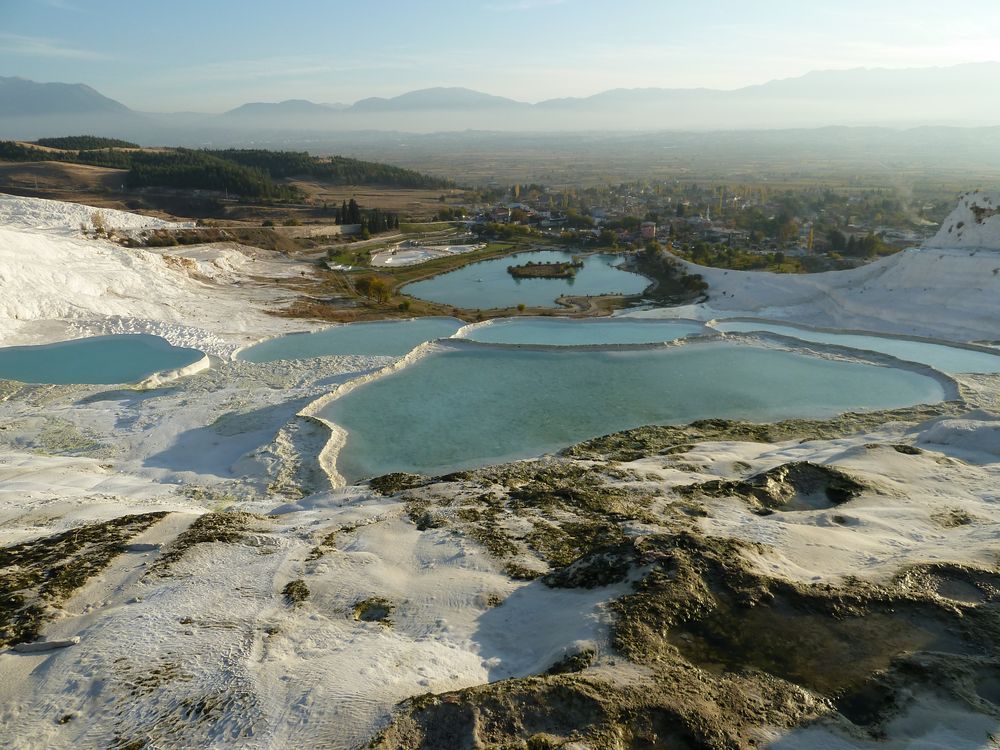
x=686 y=218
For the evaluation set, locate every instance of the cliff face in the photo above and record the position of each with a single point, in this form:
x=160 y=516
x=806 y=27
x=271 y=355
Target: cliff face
x=974 y=224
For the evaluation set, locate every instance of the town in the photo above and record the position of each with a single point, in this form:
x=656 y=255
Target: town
x=749 y=227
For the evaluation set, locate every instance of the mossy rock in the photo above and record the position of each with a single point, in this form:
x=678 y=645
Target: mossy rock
x=799 y=485
x=296 y=591
x=396 y=482
x=374 y=609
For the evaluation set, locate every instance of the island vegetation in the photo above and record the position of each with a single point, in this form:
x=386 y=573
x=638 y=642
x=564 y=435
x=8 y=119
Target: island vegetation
x=532 y=270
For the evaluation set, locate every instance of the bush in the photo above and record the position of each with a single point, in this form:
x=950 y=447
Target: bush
x=161 y=238
x=98 y=222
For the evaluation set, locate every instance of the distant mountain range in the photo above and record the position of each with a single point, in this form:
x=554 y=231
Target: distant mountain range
x=20 y=97
x=287 y=107
x=961 y=95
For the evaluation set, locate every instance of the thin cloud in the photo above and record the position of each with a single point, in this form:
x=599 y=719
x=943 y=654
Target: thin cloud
x=38 y=46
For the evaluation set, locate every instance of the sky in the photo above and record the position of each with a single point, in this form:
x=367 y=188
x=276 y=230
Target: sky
x=211 y=55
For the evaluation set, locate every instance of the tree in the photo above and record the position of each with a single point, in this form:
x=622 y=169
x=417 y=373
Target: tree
x=353 y=212
x=608 y=238
x=837 y=240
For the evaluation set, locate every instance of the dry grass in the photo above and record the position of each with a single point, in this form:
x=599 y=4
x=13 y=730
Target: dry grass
x=52 y=175
x=408 y=202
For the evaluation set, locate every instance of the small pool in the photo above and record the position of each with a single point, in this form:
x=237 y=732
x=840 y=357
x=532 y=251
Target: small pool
x=127 y=358
x=572 y=332
x=487 y=285
x=470 y=405
x=950 y=359
x=391 y=338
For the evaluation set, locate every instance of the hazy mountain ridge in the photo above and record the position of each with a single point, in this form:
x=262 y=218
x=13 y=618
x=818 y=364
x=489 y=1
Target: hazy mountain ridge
x=21 y=97
x=950 y=96
x=289 y=106
x=438 y=98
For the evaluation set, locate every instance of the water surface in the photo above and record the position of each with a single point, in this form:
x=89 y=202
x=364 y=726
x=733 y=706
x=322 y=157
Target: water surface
x=574 y=332
x=487 y=285
x=474 y=405
x=126 y=358
x=391 y=338
x=950 y=359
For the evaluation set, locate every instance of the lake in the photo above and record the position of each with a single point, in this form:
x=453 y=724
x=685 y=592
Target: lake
x=391 y=338
x=125 y=358
x=488 y=285
x=576 y=332
x=470 y=405
x=951 y=359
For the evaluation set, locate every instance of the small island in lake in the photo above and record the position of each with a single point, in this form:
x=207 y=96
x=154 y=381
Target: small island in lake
x=532 y=270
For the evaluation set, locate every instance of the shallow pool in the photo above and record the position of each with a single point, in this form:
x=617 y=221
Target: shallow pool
x=951 y=359
x=571 y=332
x=97 y=360
x=392 y=338
x=487 y=285
x=472 y=405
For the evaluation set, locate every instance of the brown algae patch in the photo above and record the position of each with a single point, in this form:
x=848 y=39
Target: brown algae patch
x=536 y=516
x=707 y=652
x=38 y=575
x=208 y=528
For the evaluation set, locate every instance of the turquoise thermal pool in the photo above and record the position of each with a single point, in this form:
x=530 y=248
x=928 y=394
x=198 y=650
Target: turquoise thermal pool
x=96 y=360
x=570 y=332
x=951 y=359
x=487 y=285
x=391 y=338
x=470 y=405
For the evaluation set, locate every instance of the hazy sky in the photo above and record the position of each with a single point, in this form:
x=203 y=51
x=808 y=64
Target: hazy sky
x=210 y=55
